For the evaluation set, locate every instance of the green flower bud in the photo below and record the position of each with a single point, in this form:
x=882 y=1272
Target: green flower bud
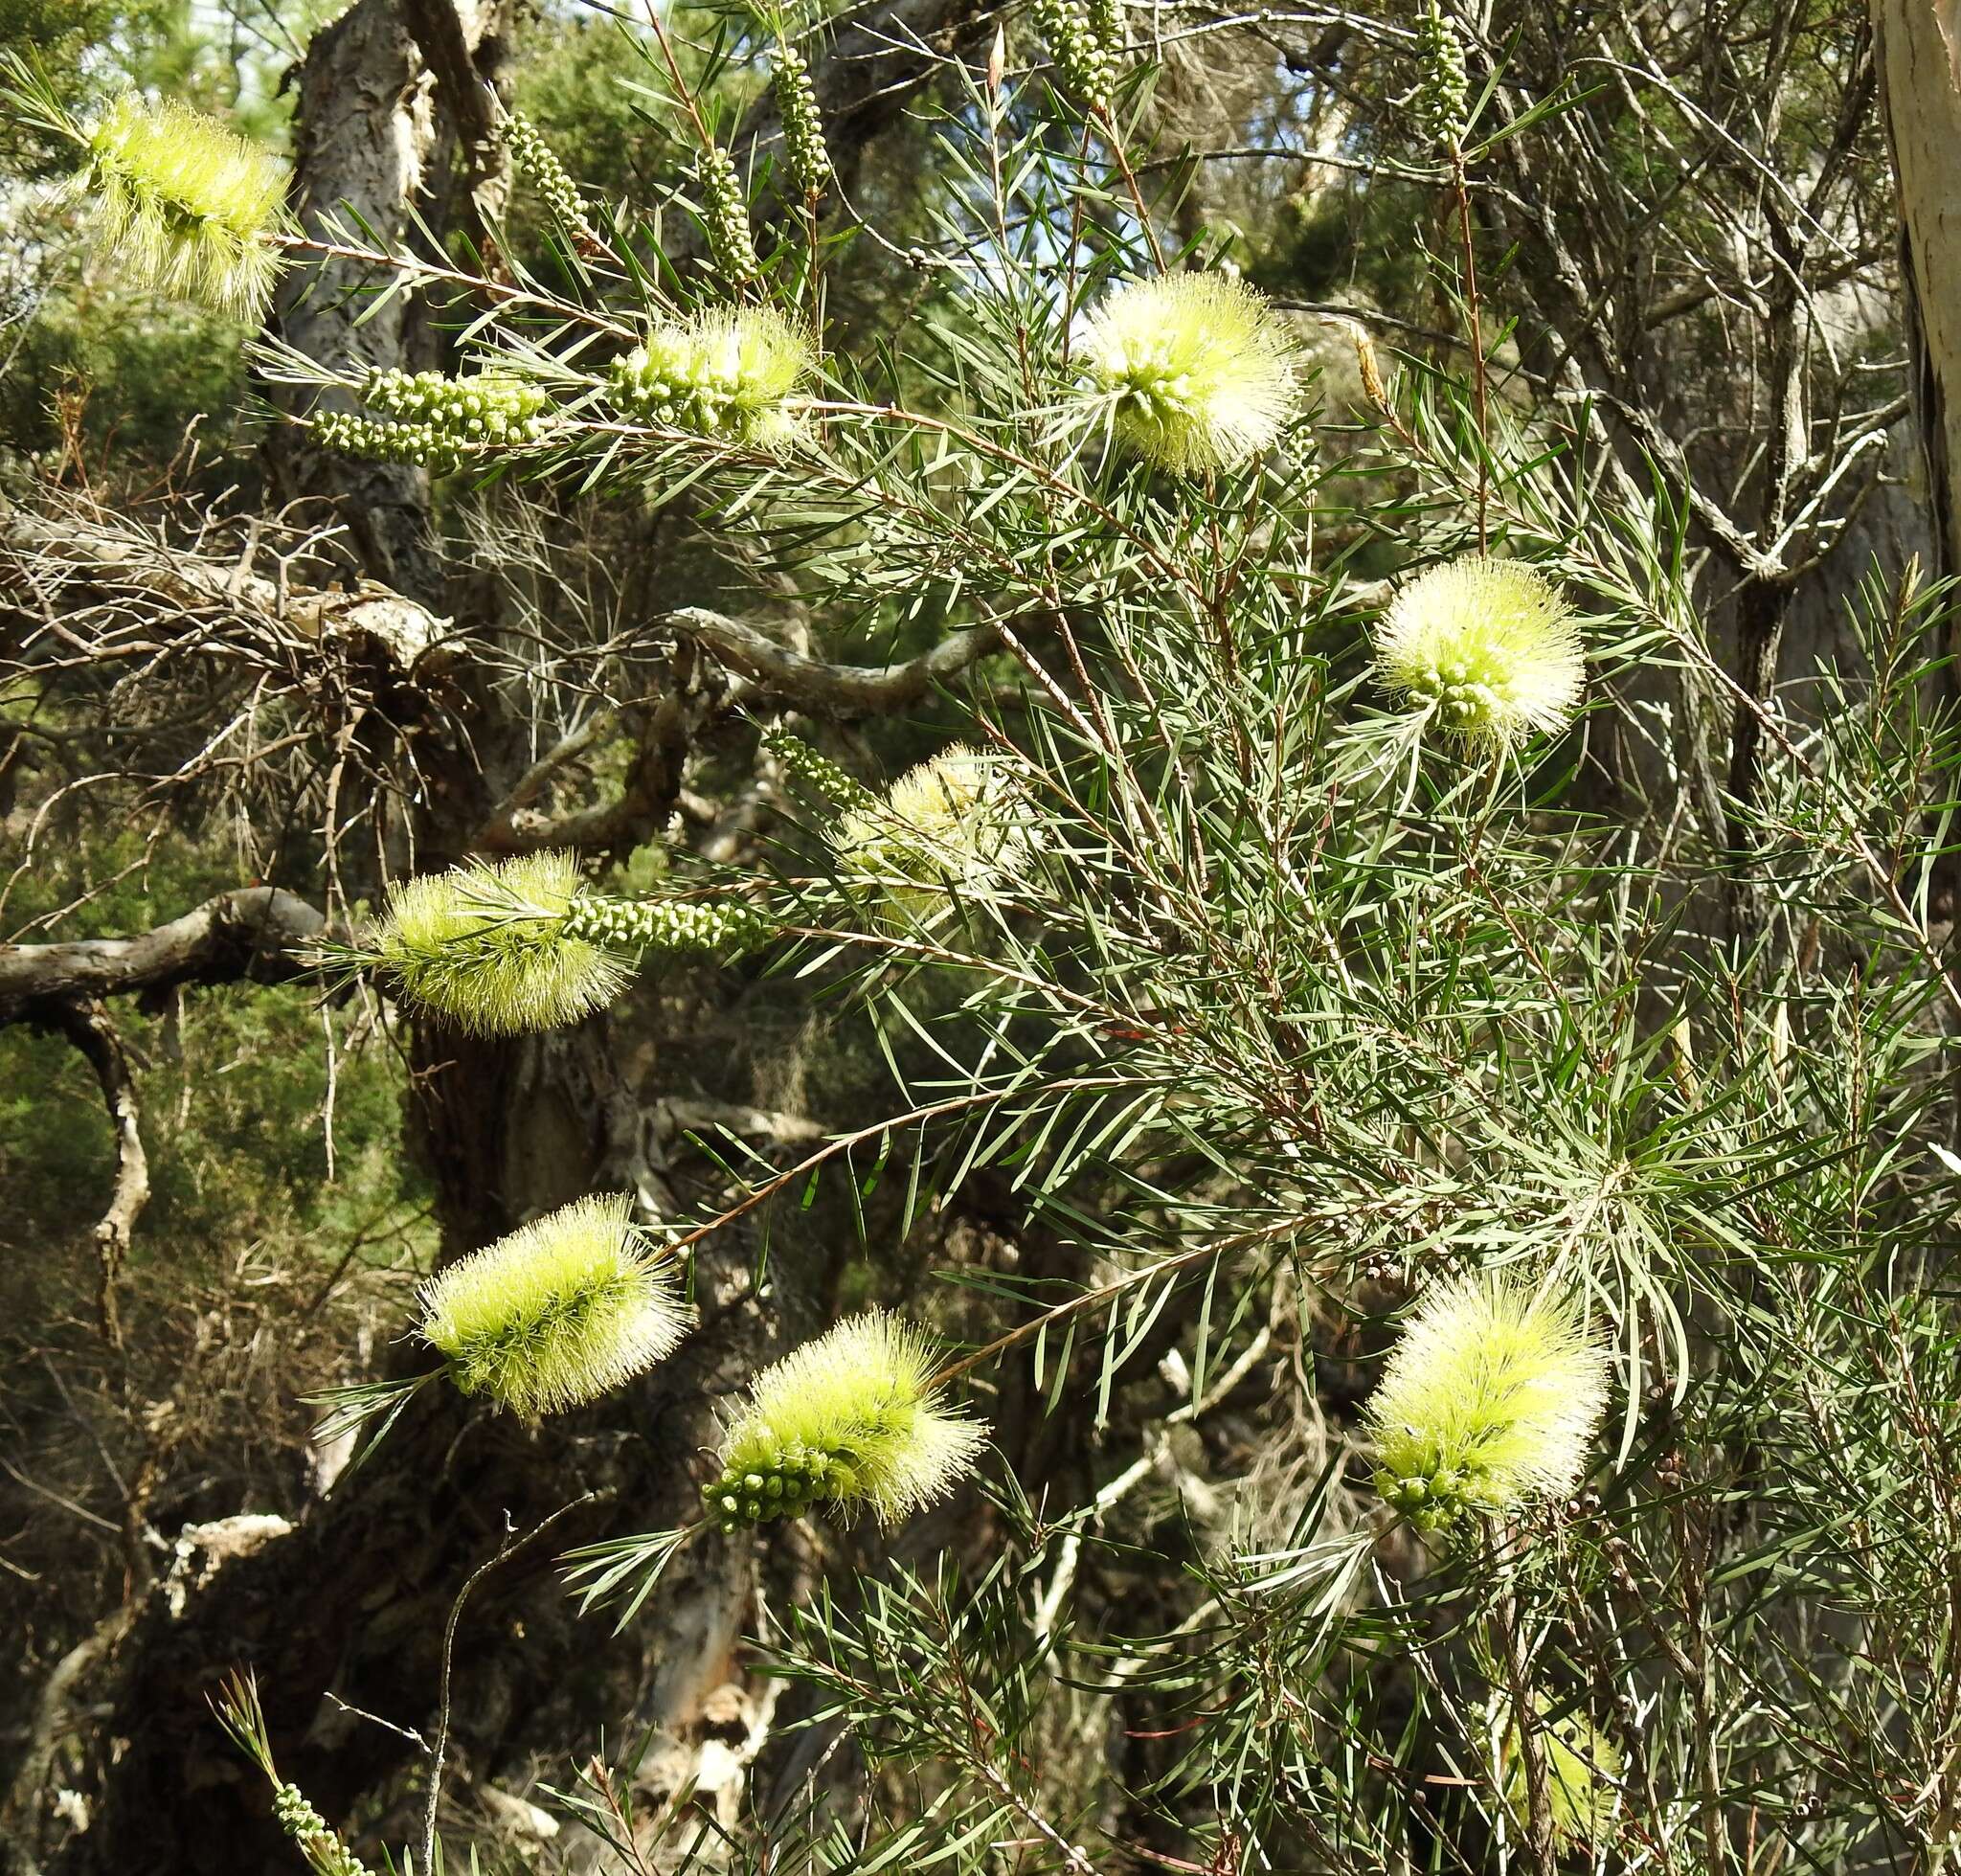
x=1443 y=88
x=1081 y=54
x=317 y=1842
x=803 y=145
x=535 y=160
x=816 y=772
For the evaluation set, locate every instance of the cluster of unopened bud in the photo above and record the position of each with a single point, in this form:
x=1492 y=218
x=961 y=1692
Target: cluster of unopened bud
x=1430 y=1500
x=662 y=925
x=1443 y=86
x=488 y=408
x=818 y=772
x=434 y=421
x=1106 y=21
x=537 y=162
x=368 y=436
x=1082 y=55
x=803 y=145
x=784 y=1486
x=309 y=1830
x=725 y=208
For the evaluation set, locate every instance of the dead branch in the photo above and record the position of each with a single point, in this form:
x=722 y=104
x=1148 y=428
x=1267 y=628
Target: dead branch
x=43 y=553
x=87 y=1025
x=811 y=685
x=252 y=933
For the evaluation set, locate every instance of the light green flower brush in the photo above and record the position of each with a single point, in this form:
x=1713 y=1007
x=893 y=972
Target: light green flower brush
x=1196 y=371
x=726 y=375
x=1490 y=1401
x=551 y=1317
x=944 y=830
x=1488 y=647
x=1583 y=1770
x=850 y=1419
x=501 y=948
x=855 y=1419
x=182 y=204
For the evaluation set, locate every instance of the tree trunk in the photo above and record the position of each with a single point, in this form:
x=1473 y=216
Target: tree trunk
x=1920 y=68
x=377 y=144
x=352 y=1602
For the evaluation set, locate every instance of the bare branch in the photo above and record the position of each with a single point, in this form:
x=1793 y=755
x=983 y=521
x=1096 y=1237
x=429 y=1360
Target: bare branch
x=834 y=689
x=252 y=932
x=39 y=551
x=87 y=1025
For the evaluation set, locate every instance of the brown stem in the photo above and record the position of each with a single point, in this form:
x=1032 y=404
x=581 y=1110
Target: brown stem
x=1473 y=312
x=1539 y=1845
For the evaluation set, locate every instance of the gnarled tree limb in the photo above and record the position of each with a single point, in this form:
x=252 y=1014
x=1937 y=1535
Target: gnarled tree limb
x=252 y=932
x=87 y=1025
x=834 y=689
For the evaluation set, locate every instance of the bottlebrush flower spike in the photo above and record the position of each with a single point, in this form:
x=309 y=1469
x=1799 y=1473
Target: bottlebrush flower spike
x=944 y=827
x=1489 y=646
x=725 y=375
x=848 y=1419
x=501 y=948
x=558 y=1312
x=485 y=945
x=1197 y=368
x=1583 y=1767
x=1490 y=1400
x=185 y=204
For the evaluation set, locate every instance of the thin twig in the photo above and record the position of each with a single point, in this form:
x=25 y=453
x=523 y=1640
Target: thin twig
x=510 y=1549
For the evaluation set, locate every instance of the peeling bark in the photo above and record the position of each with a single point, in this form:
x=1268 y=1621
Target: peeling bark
x=1920 y=65
x=374 y=142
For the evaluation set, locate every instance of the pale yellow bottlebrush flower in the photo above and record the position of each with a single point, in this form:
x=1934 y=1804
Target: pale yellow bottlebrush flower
x=1490 y=1400
x=1583 y=1769
x=1489 y=646
x=848 y=1419
x=1199 y=372
x=944 y=828
x=558 y=1312
x=185 y=204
